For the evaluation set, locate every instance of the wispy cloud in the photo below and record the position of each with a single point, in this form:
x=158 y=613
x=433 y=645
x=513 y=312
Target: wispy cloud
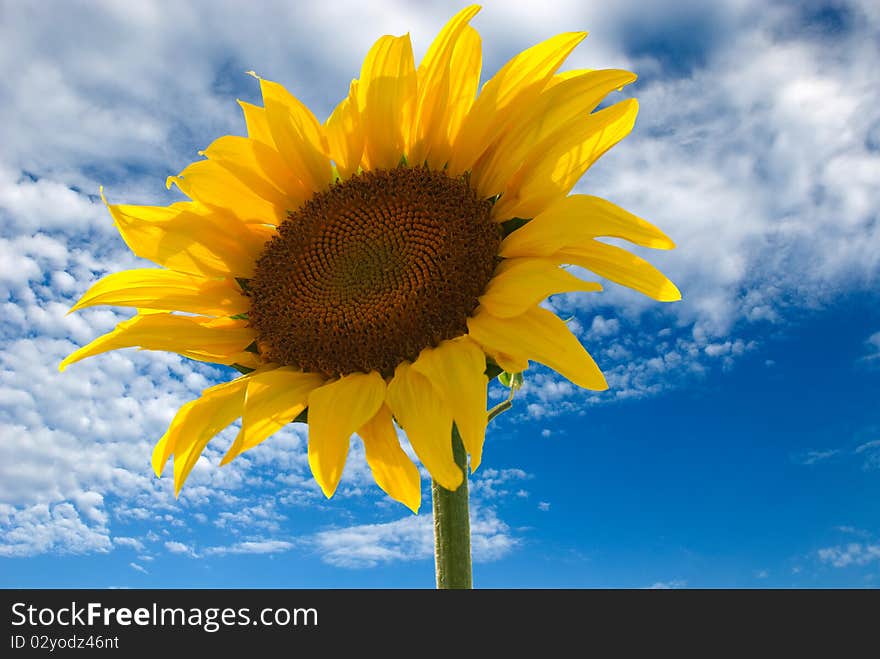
x=873 y=445
x=408 y=539
x=855 y=553
x=867 y=452
x=872 y=345
x=668 y=585
x=252 y=547
x=870 y=453
x=816 y=456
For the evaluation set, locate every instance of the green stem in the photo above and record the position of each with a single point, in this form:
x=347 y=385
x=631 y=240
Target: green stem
x=452 y=527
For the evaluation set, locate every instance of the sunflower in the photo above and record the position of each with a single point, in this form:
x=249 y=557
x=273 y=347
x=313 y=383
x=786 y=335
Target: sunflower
x=375 y=269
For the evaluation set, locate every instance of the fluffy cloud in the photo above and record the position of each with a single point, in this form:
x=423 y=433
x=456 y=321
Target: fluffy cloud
x=756 y=149
x=855 y=553
x=408 y=539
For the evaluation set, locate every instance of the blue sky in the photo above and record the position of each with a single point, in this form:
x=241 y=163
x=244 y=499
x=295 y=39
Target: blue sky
x=738 y=444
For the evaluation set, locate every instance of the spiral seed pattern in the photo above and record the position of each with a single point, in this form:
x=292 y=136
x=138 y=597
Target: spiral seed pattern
x=370 y=272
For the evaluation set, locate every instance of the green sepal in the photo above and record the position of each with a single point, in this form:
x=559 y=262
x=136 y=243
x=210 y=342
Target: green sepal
x=511 y=380
x=493 y=370
x=511 y=225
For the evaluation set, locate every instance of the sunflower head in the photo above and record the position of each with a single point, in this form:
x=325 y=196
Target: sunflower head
x=369 y=272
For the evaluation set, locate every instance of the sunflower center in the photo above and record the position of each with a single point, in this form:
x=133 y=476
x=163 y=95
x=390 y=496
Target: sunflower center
x=370 y=272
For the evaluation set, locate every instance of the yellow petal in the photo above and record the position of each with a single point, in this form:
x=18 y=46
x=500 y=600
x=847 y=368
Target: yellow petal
x=510 y=363
x=188 y=238
x=274 y=399
x=196 y=337
x=456 y=370
x=386 y=93
x=260 y=168
x=216 y=187
x=257 y=123
x=297 y=135
x=521 y=283
x=345 y=136
x=515 y=86
x=336 y=411
x=464 y=80
x=195 y=424
x=427 y=421
x=539 y=335
x=576 y=220
x=557 y=111
x=166 y=290
x=393 y=470
x=434 y=76
x=555 y=165
x=622 y=267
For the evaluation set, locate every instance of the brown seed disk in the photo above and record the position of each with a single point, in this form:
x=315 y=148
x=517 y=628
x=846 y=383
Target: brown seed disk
x=370 y=272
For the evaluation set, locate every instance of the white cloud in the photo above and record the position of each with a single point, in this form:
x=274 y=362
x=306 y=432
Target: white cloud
x=493 y=483
x=668 y=585
x=138 y=568
x=408 y=539
x=253 y=547
x=867 y=452
x=870 y=453
x=845 y=528
x=760 y=165
x=262 y=515
x=133 y=543
x=814 y=457
x=543 y=506
x=40 y=528
x=176 y=547
x=873 y=445
x=603 y=327
x=873 y=345
x=855 y=553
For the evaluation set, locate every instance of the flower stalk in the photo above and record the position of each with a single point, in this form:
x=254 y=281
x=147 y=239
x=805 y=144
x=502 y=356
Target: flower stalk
x=452 y=527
